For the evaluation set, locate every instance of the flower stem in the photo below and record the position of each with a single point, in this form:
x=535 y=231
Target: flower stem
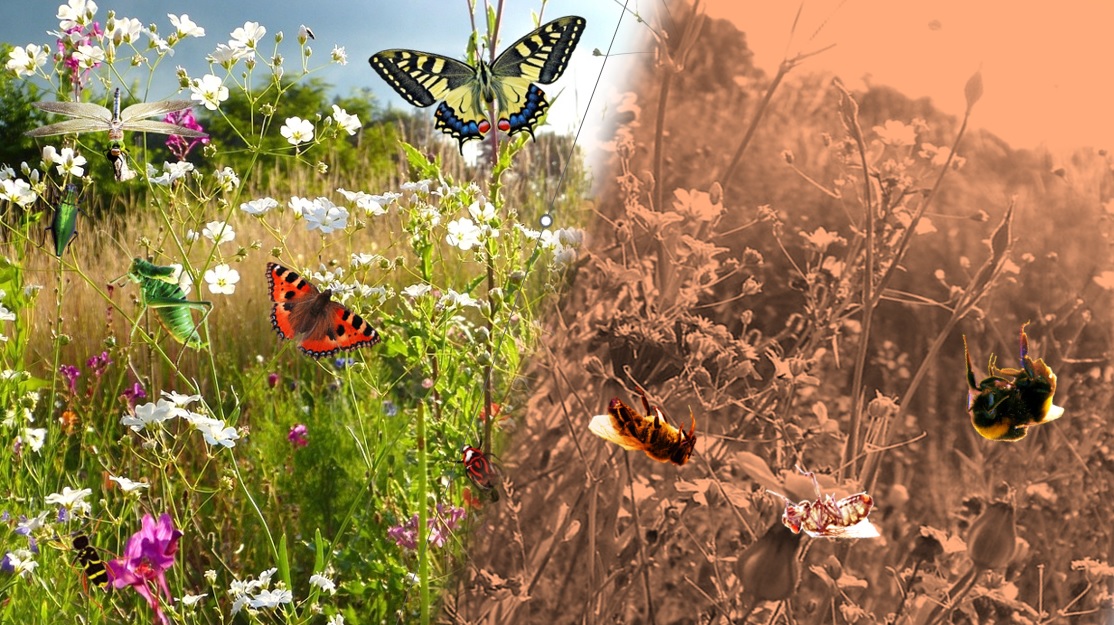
x=423 y=530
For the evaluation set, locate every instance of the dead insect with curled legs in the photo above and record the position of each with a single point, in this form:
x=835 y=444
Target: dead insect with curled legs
x=650 y=432
x=828 y=517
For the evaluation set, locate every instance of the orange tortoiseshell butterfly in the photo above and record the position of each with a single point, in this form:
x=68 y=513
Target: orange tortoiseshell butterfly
x=305 y=314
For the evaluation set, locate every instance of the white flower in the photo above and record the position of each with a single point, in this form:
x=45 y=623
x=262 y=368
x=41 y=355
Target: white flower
x=452 y=298
x=228 y=179
x=26 y=61
x=339 y=55
x=191 y=600
x=147 y=414
x=300 y=205
x=483 y=214
x=336 y=619
x=297 y=130
x=20 y=559
x=35 y=438
x=227 y=56
x=179 y=400
x=88 y=57
x=70 y=498
x=5 y=314
x=170 y=172
x=32 y=525
x=325 y=216
x=463 y=234
x=350 y=123
x=215 y=431
x=372 y=204
x=324 y=583
x=76 y=13
x=363 y=258
x=192 y=235
x=896 y=133
x=248 y=36
x=260 y=206
x=160 y=44
x=421 y=186
x=222 y=280
x=17 y=192
x=209 y=90
x=271 y=598
x=218 y=232
x=70 y=164
x=127 y=485
x=416 y=290
x=123 y=30
x=185 y=26
x=304 y=34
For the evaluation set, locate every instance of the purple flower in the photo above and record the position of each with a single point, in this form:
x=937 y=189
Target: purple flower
x=133 y=395
x=150 y=552
x=272 y=380
x=71 y=373
x=181 y=146
x=440 y=525
x=97 y=364
x=389 y=408
x=297 y=435
x=341 y=363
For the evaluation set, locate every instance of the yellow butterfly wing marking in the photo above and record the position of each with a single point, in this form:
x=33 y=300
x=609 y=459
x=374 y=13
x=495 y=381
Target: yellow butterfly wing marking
x=423 y=78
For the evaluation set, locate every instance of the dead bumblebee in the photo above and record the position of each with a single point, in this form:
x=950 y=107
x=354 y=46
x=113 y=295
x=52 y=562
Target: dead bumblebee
x=1004 y=405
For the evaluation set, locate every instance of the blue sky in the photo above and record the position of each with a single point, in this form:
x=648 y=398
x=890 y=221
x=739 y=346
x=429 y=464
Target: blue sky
x=361 y=27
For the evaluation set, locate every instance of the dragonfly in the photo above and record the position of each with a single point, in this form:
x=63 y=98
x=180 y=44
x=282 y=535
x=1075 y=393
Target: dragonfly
x=90 y=117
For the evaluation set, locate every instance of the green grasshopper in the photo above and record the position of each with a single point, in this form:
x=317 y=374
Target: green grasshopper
x=63 y=228
x=162 y=293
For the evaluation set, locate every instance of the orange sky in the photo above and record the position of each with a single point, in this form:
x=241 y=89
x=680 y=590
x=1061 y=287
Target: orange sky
x=1047 y=66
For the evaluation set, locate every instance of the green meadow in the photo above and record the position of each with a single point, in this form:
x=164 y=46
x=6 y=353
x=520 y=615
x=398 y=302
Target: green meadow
x=208 y=469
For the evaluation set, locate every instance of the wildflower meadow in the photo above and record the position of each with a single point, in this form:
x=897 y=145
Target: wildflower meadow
x=244 y=343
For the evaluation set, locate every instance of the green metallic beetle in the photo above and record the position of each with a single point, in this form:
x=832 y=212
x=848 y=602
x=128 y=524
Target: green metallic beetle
x=63 y=228
x=161 y=292
x=1004 y=405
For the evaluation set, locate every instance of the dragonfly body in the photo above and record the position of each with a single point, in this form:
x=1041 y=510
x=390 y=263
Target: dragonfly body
x=88 y=117
x=63 y=228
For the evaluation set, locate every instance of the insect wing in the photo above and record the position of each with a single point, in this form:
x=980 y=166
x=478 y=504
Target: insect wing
x=603 y=426
x=151 y=109
x=162 y=128
x=422 y=78
x=334 y=329
x=542 y=55
x=862 y=529
x=478 y=467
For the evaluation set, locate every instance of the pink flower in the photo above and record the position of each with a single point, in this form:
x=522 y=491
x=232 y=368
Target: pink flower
x=297 y=435
x=150 y=552
x=180 y=146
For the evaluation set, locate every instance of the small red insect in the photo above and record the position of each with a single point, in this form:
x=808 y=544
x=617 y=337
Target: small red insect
x=305 y=314
x=828 y=517
x=479 y=470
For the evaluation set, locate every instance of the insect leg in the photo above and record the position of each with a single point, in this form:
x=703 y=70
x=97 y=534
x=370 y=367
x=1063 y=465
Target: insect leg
x=970 y=373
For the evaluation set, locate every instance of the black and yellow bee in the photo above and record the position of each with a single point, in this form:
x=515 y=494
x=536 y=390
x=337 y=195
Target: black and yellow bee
x=1004 y=405
x=90 y=560
x=651 y=433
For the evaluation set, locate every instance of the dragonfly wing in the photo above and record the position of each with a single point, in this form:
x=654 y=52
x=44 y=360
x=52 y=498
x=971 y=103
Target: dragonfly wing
x=70 y=126
x=150 y=109
x=81 y=110
x=162 y=128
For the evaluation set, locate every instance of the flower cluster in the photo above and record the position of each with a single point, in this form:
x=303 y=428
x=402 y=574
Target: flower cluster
x=151 y=416
x=440 y=526
x=256 y=594
x=180 y=146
